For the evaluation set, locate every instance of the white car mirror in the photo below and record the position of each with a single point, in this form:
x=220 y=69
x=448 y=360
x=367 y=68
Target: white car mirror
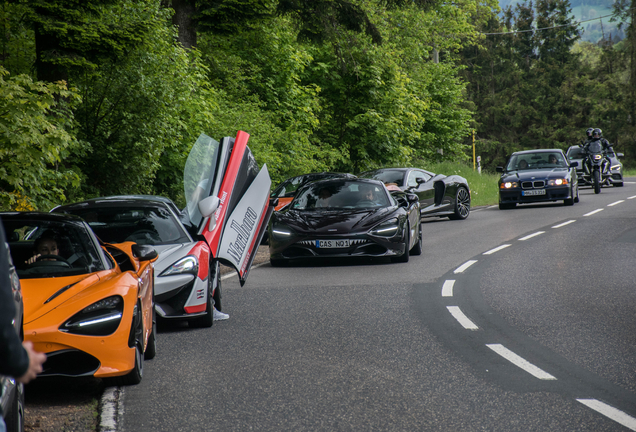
x=208 y=206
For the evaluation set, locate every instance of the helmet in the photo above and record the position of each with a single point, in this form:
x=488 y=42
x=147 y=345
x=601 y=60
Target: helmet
x=589 y=132
x=597 y=133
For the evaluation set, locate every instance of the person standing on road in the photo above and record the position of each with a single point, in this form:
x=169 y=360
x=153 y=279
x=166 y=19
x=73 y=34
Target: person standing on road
x=18 y=360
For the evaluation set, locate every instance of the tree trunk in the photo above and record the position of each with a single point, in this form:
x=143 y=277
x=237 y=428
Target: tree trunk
x=184 y=11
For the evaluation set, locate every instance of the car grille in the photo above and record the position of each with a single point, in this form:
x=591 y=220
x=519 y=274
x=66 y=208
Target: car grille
x=533 y=184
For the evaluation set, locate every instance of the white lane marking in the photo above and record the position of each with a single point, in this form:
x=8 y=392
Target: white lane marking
x=531 y=235
x=234 y=273
x=497 y=249
x=520 y=362
x=109 y=409
x=632 y=197
x=464 y=266
x=447 y=288
x=461 y=318
x=614 y=203
x=593 y=212
x=611 y=412
x=564 y=223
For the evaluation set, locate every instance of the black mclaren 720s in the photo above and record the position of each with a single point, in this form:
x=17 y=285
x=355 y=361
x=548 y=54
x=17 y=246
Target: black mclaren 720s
x=440 y=195
x=346 y=218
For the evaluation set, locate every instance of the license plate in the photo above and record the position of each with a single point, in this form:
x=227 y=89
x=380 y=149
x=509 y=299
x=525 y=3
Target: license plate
x=533 y=192
x=332 y=244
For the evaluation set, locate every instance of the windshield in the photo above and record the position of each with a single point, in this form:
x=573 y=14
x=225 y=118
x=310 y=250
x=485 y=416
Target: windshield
x=44 y=248
x=341 y=195
x=198 y=175
x=595 y=147
x=142 y=225
x=386 y=176
x=539 y=160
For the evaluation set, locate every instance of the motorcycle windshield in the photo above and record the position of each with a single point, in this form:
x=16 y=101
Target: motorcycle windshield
x=595 y=147
x=228 y=170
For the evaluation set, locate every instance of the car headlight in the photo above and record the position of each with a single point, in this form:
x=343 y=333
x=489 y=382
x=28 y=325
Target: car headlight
x=557 y=182
x=616 y=167
x=281 y=232
x=188 y=264
x=99 y=319
x=509 y=185
x=386 y=229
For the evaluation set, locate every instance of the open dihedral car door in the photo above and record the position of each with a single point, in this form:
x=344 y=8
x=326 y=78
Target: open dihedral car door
x=228 y=199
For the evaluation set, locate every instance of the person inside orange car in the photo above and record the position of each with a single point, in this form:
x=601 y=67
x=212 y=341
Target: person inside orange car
x=45 y=245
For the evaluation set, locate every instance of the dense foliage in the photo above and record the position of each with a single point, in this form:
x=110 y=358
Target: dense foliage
x=107 y=97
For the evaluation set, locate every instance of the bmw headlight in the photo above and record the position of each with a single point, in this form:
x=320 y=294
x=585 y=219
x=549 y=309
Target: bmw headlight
x=386 y=229
x=557 y=182
x=616 y=168
x=509 y=185
x=188 y=264
x=99 y=319
x=281 y=232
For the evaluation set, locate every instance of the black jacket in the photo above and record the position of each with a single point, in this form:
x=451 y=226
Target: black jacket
x=14 y=360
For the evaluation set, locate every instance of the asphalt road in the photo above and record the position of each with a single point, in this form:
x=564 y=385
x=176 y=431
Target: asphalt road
x=538 y=335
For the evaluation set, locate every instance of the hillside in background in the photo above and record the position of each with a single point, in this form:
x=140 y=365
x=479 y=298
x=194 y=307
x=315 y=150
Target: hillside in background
x=584 y=10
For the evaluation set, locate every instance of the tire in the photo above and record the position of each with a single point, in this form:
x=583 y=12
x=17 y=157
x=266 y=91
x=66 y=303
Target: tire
x=569 y=201
x=597 y=182
x=416 y=250
x=404 y=258
x=507 y=206
x=151 y=347
x=14 y=419
x=136 y=374
x=206 y=320
x=217 y=294
x=576 y=198
x=462 y=204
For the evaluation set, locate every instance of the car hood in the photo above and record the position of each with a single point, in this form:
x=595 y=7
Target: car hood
x=43 y=295
x=333 y=221
x=169 y=254
x=538 y=174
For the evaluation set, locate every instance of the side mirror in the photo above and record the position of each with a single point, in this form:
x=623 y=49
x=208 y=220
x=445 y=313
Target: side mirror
x=574 y=164
x=420 y=180
x=273 y=202
x=208 y=206
x=412 y=198
x=620 y=155
x=144 y=252
x=499 y=169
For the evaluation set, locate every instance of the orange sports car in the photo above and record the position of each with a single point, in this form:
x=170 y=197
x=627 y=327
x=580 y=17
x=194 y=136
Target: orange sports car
x=88 y=306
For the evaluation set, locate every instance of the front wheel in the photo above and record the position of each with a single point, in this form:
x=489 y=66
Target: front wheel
x=417 y=247
x=597 y=182
x=404 y=258
x=570 y=201
x=462 y=204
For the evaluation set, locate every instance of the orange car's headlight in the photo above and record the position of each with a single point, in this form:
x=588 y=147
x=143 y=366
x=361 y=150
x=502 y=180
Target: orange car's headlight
x=99 y=319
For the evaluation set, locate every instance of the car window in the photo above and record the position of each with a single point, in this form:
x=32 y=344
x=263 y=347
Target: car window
x=576 y=153
x=70 y=248
x=386 y=176
x=142 y=225
x=539 y=160
x=414 y=175
x=341 y=195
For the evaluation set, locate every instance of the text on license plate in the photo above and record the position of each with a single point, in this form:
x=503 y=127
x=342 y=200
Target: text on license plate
x=533 y=192
x=332 y=243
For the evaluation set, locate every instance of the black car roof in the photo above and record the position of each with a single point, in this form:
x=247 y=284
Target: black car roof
x=118 y=201
x=54 y=217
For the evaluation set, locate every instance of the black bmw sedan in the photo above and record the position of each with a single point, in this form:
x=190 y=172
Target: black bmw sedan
x=533 y=176
x=346 y=218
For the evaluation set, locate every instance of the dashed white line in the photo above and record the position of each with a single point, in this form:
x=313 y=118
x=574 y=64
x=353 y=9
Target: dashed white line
x=632 y=197
x=614 y=203
x=564 y=223
x=611 y=412
x=464 y=266
x=593 y=212
x=531 y=235
x=461 y=318
x=447 y=288
x=520 y=362
x=497 y=249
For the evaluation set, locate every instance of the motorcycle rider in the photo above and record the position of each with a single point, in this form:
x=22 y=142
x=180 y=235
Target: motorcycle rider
x=597 y=135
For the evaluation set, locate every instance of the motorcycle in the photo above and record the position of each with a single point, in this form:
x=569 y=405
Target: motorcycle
x=596 y=166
